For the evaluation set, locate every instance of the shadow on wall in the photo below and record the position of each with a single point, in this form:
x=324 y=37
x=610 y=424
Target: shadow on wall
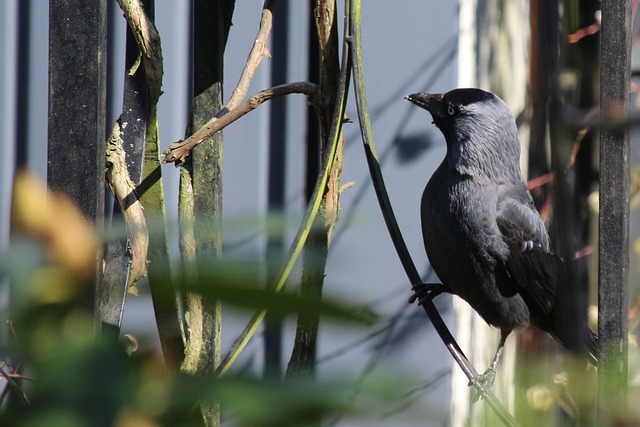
x=409 y=148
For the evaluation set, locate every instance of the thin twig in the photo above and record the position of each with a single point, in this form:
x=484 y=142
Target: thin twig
x=177 y=152
x=258 y=51
x=14 y=385
x=582 y=132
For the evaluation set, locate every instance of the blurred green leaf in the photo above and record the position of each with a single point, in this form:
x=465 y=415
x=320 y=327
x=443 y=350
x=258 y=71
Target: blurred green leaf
x=242 y=285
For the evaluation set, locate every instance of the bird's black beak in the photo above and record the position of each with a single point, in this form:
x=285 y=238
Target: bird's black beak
x=432 y=102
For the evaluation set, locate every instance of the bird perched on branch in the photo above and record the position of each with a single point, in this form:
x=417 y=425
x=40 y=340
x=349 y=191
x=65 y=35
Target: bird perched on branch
x=483 y=235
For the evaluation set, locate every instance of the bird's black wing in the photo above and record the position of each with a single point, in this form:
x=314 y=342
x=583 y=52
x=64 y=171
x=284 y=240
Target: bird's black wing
x=531 y=267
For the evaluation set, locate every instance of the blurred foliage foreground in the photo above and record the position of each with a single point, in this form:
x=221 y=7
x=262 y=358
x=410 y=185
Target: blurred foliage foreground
x=60 y=370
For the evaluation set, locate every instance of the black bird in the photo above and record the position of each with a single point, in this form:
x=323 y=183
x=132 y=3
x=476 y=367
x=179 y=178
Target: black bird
x=483 y=235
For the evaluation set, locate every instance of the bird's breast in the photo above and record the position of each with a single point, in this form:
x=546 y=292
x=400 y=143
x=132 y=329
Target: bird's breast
x=461 y=239
x=448 y=226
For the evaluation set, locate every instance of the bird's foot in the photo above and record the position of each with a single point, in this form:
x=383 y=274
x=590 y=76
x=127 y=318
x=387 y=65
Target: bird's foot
x=426 y=291
x=482 y=383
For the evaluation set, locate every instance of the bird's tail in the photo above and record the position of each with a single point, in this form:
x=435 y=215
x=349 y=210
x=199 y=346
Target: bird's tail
x=567 y=324
x=580 y=341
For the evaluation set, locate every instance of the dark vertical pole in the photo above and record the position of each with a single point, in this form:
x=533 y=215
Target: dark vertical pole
x=77 y=105
x=13 y=401
x=22 y=105
x=615 y=50
x=571 y=299
x=277 y=187
x=586 y=66
x=538 y=81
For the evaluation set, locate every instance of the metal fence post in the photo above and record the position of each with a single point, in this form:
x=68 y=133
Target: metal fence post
x=77 y=106
x=615 y=51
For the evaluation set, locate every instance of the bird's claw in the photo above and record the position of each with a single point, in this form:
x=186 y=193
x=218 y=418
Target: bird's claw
x=425 y=291
x=482 y=383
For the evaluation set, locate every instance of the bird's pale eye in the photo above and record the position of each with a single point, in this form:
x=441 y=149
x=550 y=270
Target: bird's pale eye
x=451 y=110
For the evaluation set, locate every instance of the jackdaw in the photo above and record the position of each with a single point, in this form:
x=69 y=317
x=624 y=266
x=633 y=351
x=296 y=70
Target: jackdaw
x=483 y=235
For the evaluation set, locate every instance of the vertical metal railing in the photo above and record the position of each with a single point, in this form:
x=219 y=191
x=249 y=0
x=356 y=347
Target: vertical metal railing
x=615 y=51
x=77 y=106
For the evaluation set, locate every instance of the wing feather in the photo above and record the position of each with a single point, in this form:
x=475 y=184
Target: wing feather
x=530 y=263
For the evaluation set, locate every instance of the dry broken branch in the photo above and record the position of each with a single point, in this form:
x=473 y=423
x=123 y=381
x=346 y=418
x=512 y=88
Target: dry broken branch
x=123 y=189
x=177 y=152
x=258 y=51
x=148 y=40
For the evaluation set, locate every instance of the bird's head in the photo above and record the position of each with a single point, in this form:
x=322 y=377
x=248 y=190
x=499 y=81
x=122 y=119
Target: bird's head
x=479 y=127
